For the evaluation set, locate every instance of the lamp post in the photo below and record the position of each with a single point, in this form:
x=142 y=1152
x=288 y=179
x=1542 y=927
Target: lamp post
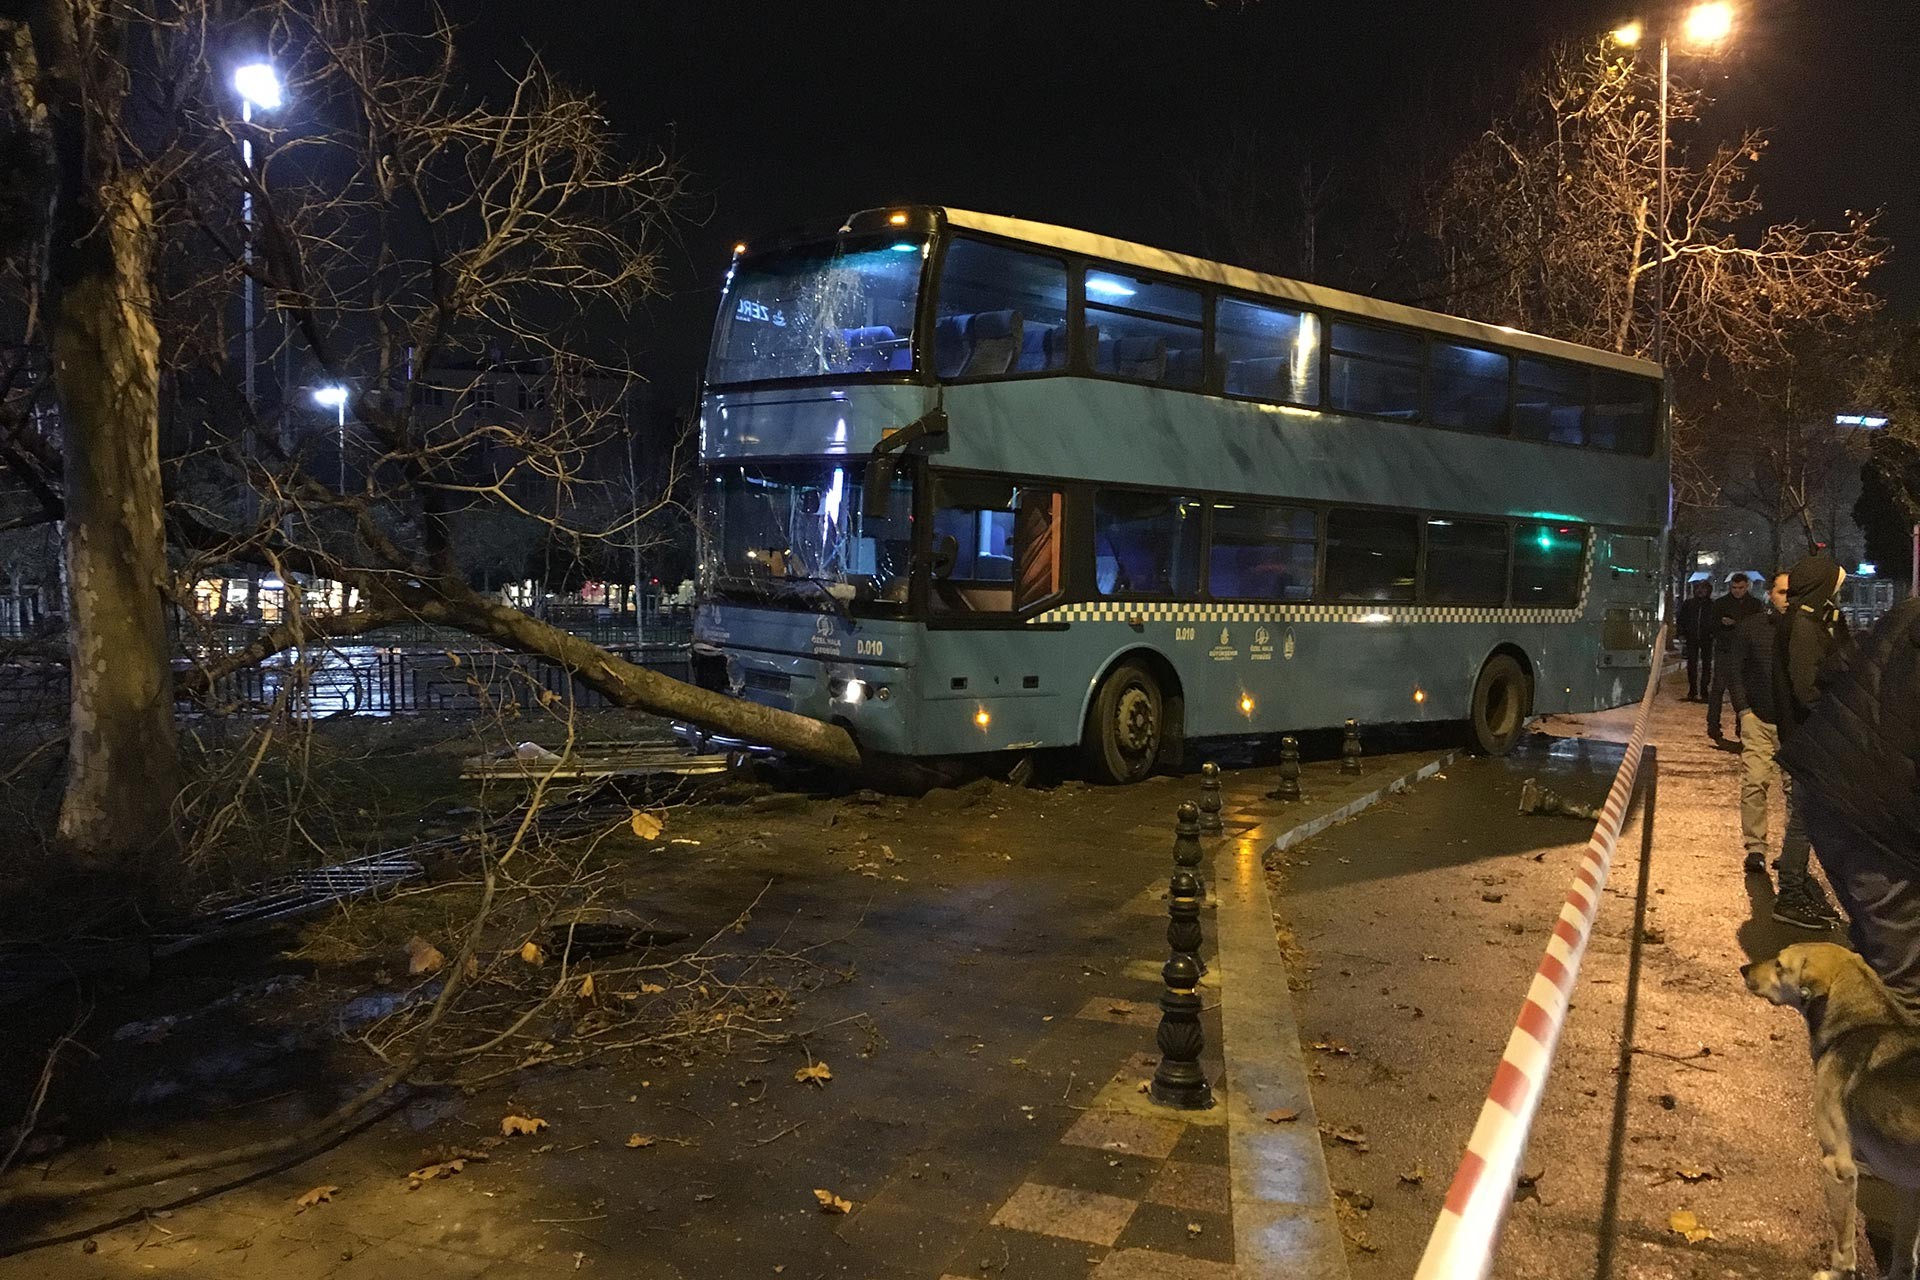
x=258 y=85
x=334 y=397
x=1702 y=26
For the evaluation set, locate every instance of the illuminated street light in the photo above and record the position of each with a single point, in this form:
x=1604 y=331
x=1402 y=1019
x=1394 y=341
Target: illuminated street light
x=1708 y=24
x=1703 y=26
x=334 y=397
x=258 y=85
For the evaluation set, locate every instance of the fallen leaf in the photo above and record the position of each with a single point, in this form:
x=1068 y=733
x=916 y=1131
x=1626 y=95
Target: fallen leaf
x=319 y=1195
x=1338 y=1048
x=1414 y=1176
x=427 y=1173
x=532 y=953
x=816 y=1074
x=651 y=989
x=831 y=1203
x=645 y=825
x=586 y=987
x=641 y=1140
x=511 y=1126
x=1353 y=1135
x=1281 y=1115
x=423 y=957
x=1694 y=1173
x=1686 y=1223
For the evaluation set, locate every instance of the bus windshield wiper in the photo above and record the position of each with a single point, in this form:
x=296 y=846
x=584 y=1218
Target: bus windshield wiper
x=838 y=605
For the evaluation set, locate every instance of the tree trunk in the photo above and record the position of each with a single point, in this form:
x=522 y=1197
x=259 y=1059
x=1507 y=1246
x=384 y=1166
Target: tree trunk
x=123 y=769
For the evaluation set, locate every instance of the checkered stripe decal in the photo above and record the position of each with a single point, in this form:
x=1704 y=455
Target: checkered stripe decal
x=1162 y=611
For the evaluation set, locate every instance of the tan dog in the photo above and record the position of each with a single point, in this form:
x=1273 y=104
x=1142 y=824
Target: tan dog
x=1866 y=1086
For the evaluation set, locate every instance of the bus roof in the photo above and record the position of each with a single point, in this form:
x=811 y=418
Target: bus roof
x=1169 y=263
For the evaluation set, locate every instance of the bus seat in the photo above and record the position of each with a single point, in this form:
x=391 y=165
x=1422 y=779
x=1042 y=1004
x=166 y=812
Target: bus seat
x=1102 y=350
x=1058 y=338
x=1264 y=377
x=870 y=348
x=993 y=568
x=1106 y=573
x=950 y=345
x=1186 y=368
x=1140 y=358
x=994 y=337
x=1033 y=348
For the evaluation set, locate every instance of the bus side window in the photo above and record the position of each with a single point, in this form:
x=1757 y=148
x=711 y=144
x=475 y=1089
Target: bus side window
x=1624 y=412
x=1270 y=353
x=1371 y=555
x=1376 y=371
x=1466 y=562
x=1261 y=553
x=1550 y=402
x=1547 y=563
x=1145 y=544
x=1467 y=388
x=1001 y=311
x=1148 y=331
x=995 y=545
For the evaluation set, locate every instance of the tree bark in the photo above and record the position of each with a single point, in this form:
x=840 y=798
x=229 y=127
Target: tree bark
x=123 y=769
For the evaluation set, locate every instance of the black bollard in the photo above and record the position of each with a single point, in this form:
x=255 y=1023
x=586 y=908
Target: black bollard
x=1178 y=1080
x=1289 y=788
x=1186 y=858
x=1210 y=824
x=1350 y=749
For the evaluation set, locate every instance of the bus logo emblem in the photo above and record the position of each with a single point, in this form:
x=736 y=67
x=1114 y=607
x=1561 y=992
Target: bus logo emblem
x=1286 y=647
x=1224 y=639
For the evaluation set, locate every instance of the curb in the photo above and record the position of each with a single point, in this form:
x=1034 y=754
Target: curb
x=1283 y=1215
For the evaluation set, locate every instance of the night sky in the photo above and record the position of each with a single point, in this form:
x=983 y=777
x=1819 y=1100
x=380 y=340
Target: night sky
x=1097 y=114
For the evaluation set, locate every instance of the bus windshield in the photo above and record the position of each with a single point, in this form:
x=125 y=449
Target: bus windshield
x=800 y=533
x=820 y=310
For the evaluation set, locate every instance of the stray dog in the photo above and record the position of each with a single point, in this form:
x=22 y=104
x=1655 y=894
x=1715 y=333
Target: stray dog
x=1866 y=1086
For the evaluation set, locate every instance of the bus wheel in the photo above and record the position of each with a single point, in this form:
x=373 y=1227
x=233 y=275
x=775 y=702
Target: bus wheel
x=1125 y=726
x=1502 y=701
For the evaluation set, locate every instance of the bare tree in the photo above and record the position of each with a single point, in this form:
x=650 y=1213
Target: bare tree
x=86 y=269
x=418 y=234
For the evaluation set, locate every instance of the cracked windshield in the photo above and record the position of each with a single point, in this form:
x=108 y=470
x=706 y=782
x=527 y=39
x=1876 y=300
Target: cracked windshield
x=820 y=310
x=800 y=531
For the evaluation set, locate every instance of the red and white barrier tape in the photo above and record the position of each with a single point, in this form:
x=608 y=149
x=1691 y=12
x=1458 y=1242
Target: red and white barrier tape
x=1468 y=1228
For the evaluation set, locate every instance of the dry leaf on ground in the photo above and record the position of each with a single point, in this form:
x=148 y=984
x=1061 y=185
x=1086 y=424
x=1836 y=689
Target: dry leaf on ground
x=427 y=1173
x=1687 y=1223
x=831 y=1203
x=1695 y=1173
x=1353 y=1135
x=511 y=1126
x=423 y=957
x=815 y=1074
x=586 y=987
x=645 y=826
x=641 y=1140
x=532 y=953
x=1414 y=1176
x=319 y=1195
x=1338 y=1048
x=651 y=988
x=1280 y=1115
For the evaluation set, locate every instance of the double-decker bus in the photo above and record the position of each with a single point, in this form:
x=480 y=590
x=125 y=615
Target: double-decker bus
x=976 y=484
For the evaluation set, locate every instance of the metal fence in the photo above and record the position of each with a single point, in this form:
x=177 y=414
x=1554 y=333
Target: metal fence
x=387 y=675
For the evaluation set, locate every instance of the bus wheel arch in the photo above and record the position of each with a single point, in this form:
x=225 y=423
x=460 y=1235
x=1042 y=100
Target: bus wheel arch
x=1502 y=700
x=1134 y=717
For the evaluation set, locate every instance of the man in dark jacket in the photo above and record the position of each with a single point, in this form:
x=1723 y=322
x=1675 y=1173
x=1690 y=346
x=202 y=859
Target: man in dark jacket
x=1696 y=637
x=1855 y=764
x=1808 y=633
x=1748 y=670
x=1729 y=611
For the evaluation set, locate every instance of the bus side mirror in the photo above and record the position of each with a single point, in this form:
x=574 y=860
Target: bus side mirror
x=877 y=497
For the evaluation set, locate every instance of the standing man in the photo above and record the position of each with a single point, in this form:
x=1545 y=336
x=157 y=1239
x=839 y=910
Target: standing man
x=1729 y=611
x=1808 y=633
x=1696 y=636
x=1856 y=766
x=1748 y=671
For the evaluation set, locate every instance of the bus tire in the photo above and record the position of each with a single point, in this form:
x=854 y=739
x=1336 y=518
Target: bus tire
x=1502 y=701
x=1125 y=726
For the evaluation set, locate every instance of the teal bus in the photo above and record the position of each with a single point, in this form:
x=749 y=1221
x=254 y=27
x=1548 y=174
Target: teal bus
x=973 y=484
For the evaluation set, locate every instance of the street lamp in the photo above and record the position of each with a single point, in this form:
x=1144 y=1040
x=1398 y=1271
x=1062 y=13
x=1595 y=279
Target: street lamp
x=334 y=397
x=1701 y=26
x=258 y=85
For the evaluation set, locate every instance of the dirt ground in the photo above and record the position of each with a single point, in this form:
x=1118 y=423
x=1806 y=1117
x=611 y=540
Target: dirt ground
x=1420 y=924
